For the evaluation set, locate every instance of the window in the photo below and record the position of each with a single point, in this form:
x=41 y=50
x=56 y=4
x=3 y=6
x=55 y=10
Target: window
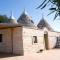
x=35 y=39
x=0 y=37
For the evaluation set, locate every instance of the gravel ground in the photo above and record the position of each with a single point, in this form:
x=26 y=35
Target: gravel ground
x=45 y=55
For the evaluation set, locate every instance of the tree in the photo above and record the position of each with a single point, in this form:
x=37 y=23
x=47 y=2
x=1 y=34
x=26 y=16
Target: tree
x=3 y=19
x=54 y=8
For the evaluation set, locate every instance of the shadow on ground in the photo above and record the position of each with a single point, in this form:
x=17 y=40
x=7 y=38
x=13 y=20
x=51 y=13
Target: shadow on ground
x=5 y=55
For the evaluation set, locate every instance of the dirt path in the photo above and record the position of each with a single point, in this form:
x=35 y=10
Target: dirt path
x=45 y=55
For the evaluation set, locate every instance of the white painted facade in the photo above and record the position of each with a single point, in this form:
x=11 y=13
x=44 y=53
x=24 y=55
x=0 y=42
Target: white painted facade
x=19 y=40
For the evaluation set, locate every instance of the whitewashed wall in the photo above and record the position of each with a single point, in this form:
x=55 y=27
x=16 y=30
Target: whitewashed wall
x=52 y=37
x=28 y=44
x=23 y=40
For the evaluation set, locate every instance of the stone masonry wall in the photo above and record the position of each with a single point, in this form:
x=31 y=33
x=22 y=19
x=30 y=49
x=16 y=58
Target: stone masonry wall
x=5 y=45
x=17 y=41
x=28 y=44
x=52 y=36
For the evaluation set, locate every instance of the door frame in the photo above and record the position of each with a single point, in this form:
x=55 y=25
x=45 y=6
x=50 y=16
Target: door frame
x=46 y=40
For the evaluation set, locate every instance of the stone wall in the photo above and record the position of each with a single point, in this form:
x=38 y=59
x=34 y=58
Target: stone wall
x=28 y=44
x=6 y=45
x=52 y=36
x=17 y=41
x=52 y=39
x=12 y=40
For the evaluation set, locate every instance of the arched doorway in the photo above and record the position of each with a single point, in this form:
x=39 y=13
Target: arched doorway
x=46 y=40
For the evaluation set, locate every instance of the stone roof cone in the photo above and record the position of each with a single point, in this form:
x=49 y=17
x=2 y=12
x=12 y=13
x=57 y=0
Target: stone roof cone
x=43 y=23
x=12 y=19
x=25 y=19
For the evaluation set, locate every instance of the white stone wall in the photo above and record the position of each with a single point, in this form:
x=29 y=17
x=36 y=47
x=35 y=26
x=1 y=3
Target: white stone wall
x=17 y=41
x=52 y=39
x=5 y=45
x=23 y=40
x=28 y=33
x=12 y=40
x=28 y=44
x=52 y=36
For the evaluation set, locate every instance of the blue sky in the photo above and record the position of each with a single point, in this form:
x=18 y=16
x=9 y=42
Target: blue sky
x=17 y=6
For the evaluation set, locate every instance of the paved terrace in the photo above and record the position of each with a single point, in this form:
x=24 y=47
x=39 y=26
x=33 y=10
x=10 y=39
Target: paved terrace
x=45 y=55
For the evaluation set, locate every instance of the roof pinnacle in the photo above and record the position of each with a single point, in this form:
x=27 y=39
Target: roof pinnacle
x=25 y=12
x=12 y=17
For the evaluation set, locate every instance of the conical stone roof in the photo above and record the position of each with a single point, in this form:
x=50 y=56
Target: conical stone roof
x=25 y=20
x=43 y=23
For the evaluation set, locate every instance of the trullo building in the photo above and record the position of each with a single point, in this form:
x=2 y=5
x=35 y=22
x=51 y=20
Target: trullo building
x=22 y=36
